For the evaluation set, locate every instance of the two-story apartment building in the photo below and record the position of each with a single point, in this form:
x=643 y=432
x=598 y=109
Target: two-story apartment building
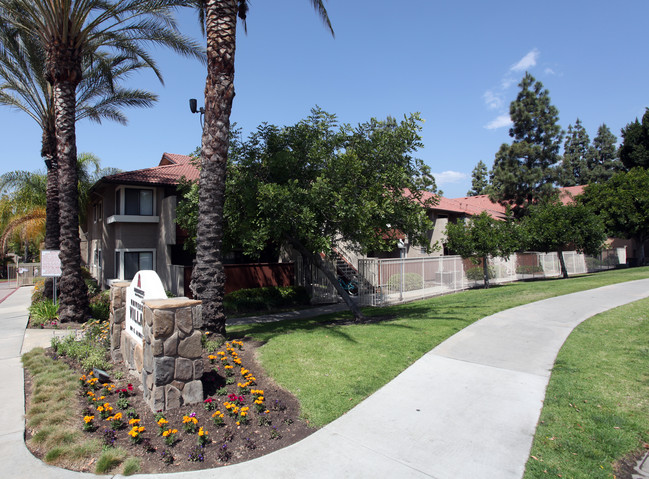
x=131 y=224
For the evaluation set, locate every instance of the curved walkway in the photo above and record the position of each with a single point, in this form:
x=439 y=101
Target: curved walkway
x=484 y=392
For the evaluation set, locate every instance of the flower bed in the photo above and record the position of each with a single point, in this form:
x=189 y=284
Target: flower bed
x=244 y=415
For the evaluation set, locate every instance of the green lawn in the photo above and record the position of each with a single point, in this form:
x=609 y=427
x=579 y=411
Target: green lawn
x=331 y=368
x=595 y=409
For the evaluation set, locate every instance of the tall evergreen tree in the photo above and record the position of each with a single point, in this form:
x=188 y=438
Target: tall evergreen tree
x=603 y=158
x=523 y=171
x=634 y=150
x=574 y=167
x=479 y=180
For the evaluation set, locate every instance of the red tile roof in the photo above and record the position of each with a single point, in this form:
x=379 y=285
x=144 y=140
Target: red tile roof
x=171 y=169
x=496 y=210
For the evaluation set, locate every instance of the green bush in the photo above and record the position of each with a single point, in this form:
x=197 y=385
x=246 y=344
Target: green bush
x=529 y=269
x=477 y=274
x=411 y=281
x=265 y=299
x=43 y=311
x=91 y=351
x=100 y=305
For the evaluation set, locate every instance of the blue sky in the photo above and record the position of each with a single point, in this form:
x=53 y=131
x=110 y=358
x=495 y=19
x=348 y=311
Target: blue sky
x=458 y=63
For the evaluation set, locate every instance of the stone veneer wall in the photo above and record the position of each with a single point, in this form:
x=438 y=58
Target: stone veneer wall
x=168 y=361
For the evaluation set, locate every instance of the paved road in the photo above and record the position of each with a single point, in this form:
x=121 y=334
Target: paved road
x=6 y=288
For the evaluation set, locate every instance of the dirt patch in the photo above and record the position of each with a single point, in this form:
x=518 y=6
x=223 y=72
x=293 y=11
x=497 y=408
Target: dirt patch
x=276 y=426
x=625 y=467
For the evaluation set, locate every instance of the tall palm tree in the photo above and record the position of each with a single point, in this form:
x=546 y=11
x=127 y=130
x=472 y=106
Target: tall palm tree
x=219 y=20
x=24 y=87
x=69 y=32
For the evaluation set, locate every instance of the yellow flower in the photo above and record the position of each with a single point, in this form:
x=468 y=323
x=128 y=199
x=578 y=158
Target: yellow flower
x=134 y=421
x=118 y=416
x=162 y=421
x=202 y=432
x=88 y=419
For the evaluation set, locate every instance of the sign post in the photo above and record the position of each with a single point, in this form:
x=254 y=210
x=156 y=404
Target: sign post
x=51 y=265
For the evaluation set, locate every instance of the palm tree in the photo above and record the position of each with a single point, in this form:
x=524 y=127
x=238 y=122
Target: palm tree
x=24 y=87
x=25 y=196
x=219 y=20
x=69 y=32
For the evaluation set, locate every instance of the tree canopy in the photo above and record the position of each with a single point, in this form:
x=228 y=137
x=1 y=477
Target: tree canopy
x=317 y=184
x=482 y=236
x=523 y=172
x=634 y=150
x=552 y=226
x=623 y=205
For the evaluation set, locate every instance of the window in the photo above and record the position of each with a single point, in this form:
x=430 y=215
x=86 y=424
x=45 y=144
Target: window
x=138 y=202
x=135 y=261
x=97 y=211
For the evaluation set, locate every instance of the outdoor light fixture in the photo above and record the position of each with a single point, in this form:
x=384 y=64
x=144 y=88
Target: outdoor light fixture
x=194 y=109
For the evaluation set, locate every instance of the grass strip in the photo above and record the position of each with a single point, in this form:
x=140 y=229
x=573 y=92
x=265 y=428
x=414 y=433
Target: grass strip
x=595 y=409
x=56 y=428
x=331 y=367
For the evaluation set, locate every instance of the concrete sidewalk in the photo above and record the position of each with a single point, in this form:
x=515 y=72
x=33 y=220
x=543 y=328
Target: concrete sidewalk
x=468 y=409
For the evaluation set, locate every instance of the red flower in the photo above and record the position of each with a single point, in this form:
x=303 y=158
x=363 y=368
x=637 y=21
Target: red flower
x=129 y=386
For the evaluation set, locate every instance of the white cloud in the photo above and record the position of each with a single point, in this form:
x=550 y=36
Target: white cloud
x=527 y=62
x=493 y=100
x=507 y=82
x=446 y=177
x=549 y=71
x=499 y=122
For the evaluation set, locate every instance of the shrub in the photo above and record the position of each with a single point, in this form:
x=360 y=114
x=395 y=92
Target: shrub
x=39 y=291
x=100 y=305
x=529 y=269
x=264 y=299
x=44 y=311
x=477 y=274
x=91 y=351
x=411 y=281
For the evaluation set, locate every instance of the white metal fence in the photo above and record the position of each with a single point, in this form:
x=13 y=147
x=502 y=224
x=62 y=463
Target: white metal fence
x=23 y=274
x=388 y=281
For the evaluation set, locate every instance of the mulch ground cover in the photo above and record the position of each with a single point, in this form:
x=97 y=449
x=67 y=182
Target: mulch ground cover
x=271 y=424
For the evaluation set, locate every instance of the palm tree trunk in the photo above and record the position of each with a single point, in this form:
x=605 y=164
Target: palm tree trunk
x=52 y=228
x=73 y=291
x=208 y=277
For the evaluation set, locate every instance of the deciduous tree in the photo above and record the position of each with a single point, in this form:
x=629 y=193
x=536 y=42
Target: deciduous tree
x=316 y=185
x=623 y=205
x=553 y=226
x=482 y=236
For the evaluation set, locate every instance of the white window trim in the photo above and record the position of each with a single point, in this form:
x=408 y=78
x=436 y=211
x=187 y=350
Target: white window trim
x=121 y=252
